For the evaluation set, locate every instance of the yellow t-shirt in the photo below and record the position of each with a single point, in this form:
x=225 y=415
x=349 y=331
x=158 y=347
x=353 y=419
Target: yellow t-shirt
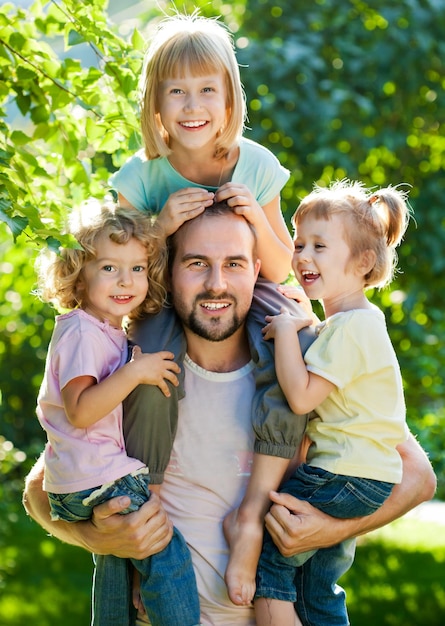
x=358 y=426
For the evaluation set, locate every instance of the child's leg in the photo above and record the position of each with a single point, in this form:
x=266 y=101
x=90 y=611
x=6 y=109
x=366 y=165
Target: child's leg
x=275 y=613
x=243 y=527
x=150 y=419
x=168 y=585
x=278 y=434
x=320 y=600
x=112 y=602
x=276 y=593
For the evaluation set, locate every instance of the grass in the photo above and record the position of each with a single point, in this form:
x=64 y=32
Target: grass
x=42 y=581
x=397 y=578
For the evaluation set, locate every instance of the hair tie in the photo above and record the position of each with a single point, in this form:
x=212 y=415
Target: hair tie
x=373 y=198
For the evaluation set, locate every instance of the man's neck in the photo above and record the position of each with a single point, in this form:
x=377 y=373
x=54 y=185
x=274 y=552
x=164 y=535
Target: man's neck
x=219 y=356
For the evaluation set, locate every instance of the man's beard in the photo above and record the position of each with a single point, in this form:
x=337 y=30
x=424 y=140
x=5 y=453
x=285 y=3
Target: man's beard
x=212 y=329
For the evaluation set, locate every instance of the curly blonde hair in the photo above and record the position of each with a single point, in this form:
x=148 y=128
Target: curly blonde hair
x=201 y=46
x=58 y=274
x=375 y=220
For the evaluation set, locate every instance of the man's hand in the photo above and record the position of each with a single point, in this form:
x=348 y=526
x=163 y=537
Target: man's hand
x=136 y=535
x=296 y=526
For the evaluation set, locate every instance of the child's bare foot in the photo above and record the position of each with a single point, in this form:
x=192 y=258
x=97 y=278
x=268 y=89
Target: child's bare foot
x=245 y=539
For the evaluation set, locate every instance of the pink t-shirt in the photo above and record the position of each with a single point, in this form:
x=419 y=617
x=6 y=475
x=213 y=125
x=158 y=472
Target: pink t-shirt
x=82 y=458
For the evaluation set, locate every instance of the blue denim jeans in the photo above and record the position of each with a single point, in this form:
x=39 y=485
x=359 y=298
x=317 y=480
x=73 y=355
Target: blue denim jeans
x=168 y=584
x=310 y=579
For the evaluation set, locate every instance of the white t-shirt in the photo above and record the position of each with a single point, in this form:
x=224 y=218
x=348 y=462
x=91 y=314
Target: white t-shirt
x=207 y=477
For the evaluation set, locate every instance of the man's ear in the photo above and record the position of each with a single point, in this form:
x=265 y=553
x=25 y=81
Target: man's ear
x=366 y=262
x=257 y=268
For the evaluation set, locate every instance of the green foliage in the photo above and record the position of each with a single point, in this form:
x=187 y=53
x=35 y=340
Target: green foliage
x=68 y=112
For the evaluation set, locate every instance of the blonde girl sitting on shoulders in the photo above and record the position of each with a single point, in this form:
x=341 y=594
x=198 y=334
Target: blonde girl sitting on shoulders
x=192 y=119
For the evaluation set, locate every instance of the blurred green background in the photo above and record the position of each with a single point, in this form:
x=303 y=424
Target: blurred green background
x=335 y=89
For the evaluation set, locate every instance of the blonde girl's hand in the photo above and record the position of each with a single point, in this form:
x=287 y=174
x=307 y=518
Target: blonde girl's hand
x=295 y=292
x=155 y=369
x=181 y=206
x=285 y=321
x=241 y=199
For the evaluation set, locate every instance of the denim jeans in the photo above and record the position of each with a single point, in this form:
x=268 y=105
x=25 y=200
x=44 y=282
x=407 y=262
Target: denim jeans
x=309 y=579
x=168 y=585
x=320 y=600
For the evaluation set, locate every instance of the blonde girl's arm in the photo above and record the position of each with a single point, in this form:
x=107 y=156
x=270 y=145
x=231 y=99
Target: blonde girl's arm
x=275 y=244
x=304 y=390
x=86 y=401
x=275 y=247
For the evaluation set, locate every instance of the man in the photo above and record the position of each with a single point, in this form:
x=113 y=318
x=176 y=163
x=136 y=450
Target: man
x=213 y=271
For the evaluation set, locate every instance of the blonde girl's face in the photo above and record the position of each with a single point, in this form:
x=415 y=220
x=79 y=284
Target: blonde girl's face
x=322 y=261
x=193 y=110
x=115 y=282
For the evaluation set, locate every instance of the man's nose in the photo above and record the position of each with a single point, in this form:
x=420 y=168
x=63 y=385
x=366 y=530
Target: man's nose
x=215 y=279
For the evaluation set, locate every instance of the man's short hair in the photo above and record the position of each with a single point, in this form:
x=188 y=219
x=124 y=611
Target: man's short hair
x=214 y=210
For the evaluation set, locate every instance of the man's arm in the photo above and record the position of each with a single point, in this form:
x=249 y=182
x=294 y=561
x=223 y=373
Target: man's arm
x=136 y=535
x=296 y=526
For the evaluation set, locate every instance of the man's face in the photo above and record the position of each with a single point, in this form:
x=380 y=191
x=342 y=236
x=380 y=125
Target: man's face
x=213 y=275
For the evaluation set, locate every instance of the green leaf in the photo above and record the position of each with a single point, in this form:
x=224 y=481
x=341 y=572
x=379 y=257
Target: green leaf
x=24 y=103
x=19 y=138
x=137 y=41
x=53 y=244
x=40 y=114
x=16 y=223
x=75 y=38
x=25 y=73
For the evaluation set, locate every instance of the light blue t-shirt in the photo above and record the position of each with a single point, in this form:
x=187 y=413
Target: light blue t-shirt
x=147 y=184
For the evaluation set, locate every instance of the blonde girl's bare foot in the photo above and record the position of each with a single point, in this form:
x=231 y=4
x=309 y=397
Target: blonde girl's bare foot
x=245 y=540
